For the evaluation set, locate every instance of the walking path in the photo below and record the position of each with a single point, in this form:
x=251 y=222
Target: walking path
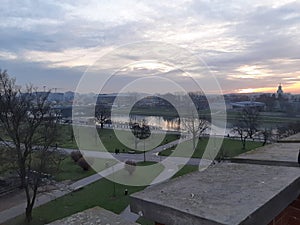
x=171 y=165
x=47 y=197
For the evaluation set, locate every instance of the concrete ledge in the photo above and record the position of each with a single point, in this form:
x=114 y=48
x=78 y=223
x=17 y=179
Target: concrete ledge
x=278 y=154
x=264 y=162
x=227 y=194
x=291 y=139
x=95 y=216
x=288 y=141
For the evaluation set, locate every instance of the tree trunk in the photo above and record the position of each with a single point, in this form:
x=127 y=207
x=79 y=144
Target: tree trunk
x=29 y=205
x=23 y=183
x=194 y=142
x=244 y=144
x=31 y=200
x=29 y=212
x=241 y=137
x=135 y=143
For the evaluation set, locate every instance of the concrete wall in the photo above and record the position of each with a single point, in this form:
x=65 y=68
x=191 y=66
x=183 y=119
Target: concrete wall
x=289 y=216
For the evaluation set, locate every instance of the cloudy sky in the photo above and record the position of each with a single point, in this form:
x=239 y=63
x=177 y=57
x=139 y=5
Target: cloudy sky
x=249 y=45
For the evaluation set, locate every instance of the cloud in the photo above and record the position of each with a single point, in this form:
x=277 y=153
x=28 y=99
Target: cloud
x=253 y=40
x=68 y=58
x=4 y=55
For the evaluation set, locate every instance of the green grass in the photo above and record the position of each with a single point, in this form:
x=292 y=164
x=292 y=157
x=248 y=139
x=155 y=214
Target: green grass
x=230 y=148
x=88 y=139
x=69 y=170
x=96 y=194
x=145 y=221
x=99 y=193
x=185 y=170
x=144 y=174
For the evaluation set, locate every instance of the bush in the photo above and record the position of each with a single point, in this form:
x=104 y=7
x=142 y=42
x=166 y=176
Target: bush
x=83 y=164
x=76 y=155
x=130 y=166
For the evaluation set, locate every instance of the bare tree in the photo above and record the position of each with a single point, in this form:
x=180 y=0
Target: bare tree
x=28 y=129
x=267 y=135
x=288 y=129
x=141 y=131
x=195 y=125
x=246 y=124
x=102 y=114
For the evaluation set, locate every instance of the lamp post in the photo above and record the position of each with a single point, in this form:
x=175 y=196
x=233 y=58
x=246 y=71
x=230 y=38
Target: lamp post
x=144 y=152
x=114 y=184
x=144 y=134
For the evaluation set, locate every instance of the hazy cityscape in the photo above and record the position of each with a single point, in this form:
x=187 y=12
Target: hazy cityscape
x=152 y=113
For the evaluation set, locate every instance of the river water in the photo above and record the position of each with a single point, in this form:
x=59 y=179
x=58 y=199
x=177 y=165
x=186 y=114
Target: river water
x=163 y=123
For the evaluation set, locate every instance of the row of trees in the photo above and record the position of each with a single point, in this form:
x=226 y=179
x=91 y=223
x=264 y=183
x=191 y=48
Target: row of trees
x=247 y=126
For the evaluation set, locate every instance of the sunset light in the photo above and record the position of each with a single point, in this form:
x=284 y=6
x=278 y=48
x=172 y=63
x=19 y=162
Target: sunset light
x=103 y=103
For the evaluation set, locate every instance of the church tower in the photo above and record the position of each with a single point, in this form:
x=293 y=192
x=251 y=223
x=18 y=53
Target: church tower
x=279 y=91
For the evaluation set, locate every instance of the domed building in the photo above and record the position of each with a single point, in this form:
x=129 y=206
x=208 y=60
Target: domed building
x=279 y=91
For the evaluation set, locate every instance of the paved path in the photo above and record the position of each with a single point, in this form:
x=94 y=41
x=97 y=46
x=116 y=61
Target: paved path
x=171 y=164
x=47 y=197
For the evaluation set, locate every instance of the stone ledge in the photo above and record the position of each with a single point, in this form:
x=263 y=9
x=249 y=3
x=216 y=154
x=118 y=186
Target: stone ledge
x=93 y=216
x=291 y=139
x=277 y=154
x=227 y=194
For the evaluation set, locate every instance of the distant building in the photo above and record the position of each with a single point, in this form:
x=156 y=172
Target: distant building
x=282 y=95
x=279 y=91
x=57 y=97
x=69 y=96
x=248 y=104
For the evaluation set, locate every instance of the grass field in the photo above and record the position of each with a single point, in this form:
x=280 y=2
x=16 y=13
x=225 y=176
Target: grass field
x=99 y=193
x=185 y=170
x=230 y=148
x=69 y=170
x=88 y=139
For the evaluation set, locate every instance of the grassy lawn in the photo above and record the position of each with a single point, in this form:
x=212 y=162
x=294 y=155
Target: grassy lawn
x=71 y=171
x=96 y=194
x=144 y=174
x=185 y=170
x=99 y=193
x=230 y=148
x=68 y=169
x=144 y=221
x=88 y=139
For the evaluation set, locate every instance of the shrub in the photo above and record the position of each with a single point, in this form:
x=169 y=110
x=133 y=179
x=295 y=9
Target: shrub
x=83 y=164
x=130 y=166
x=76 y=155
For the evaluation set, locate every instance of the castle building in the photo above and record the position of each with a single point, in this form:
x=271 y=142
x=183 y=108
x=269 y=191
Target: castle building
x=279 y=91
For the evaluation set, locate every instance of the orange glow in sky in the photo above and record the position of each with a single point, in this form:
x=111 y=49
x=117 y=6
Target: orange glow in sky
x=293 y=88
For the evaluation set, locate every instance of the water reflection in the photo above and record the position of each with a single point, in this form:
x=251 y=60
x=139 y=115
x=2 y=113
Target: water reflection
x=164 y=123
x=160 y=122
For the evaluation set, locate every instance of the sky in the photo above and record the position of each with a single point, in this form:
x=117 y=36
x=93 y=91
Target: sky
x=249 y=46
